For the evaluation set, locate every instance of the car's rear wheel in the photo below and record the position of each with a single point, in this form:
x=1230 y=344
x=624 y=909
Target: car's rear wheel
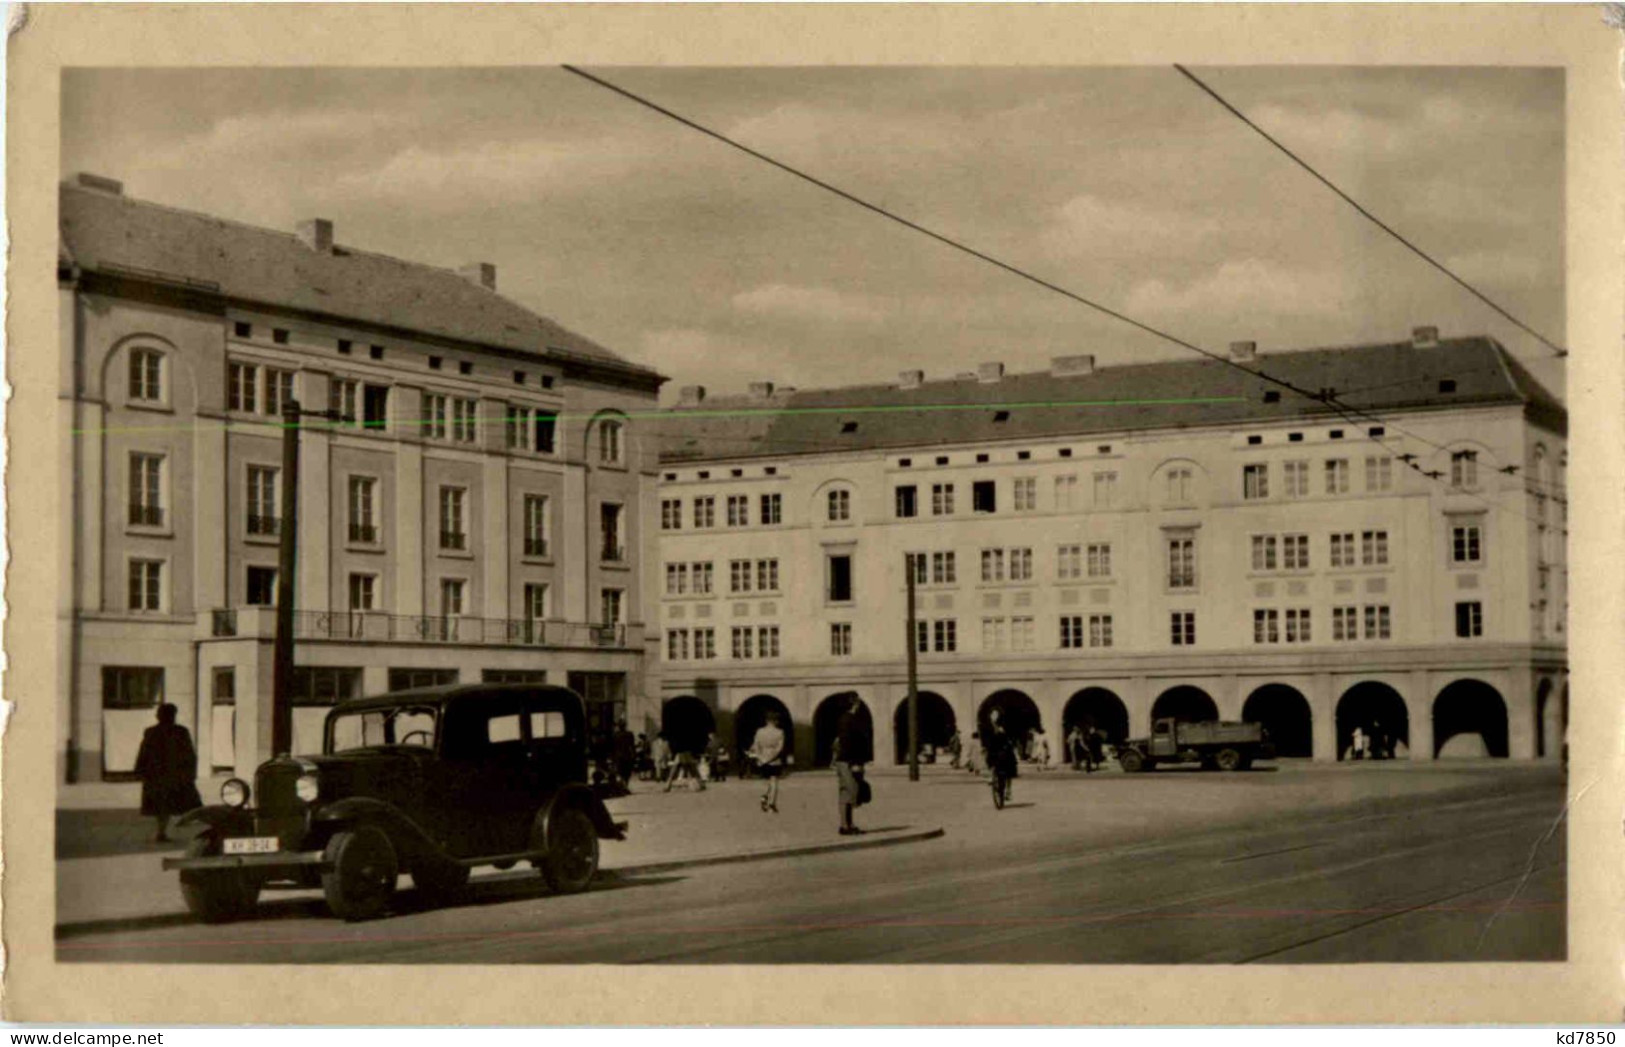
x=572 y=851
x=439 y=881
x=1131 y=761
x=216 y=895
x=1228 y=760
x=361 y=873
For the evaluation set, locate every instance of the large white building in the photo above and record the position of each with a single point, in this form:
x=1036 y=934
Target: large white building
x=1111 y=544
x=483 y=517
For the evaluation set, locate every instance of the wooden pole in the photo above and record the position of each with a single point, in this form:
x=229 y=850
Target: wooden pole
x=913 y=679
x=287 y=560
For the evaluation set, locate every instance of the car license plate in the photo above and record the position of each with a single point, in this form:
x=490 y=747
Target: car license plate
x=252 y=845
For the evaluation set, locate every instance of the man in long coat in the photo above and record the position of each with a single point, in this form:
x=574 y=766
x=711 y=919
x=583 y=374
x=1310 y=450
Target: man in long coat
x=167 y=765
x=853 y=749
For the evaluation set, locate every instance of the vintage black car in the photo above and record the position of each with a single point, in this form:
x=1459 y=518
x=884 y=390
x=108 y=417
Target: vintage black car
x=432 y=782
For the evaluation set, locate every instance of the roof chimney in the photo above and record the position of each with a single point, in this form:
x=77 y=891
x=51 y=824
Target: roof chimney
x=690 y=395
x=989 y=372
x=316 y=234
x=910 y=379
x=1063 y=366
x=482 y=273
x=100 y=183
x=1425 y=337
x=761 y=390
x=1243 y=350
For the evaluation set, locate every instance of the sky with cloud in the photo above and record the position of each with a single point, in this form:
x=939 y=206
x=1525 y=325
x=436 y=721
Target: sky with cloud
x=1128 y=186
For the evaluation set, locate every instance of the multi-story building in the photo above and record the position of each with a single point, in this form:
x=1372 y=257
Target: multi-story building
x=1107 y=545
x=480 y=514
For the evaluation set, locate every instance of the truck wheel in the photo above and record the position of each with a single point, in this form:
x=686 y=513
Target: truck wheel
x=439 y=881
x=1131 y=761
x=572 y=852
x=1228 y=760
x=362 y=873
x=216 y=895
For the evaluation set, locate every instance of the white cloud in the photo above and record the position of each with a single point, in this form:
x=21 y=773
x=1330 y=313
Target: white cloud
x=1247 y=286
x=1087 y=224
x=808 y=303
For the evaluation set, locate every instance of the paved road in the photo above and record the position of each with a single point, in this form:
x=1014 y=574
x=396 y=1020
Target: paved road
x=1473 y=874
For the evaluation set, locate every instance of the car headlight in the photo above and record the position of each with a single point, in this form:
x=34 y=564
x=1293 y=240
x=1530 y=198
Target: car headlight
x=307 y=787
x=234 y=792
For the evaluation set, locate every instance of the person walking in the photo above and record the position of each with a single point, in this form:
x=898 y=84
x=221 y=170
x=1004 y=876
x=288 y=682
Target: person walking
x=1040 y=749
x=767 y=751
x=1095 y=744
x=167 y=765
x=1359 y=743
x=1076 y=748
x=660 y=753
x=955 y=749
x=853 y=749
x=625 y=754
x=1003 y=751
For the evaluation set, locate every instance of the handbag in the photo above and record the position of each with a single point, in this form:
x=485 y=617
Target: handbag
x=865 y=794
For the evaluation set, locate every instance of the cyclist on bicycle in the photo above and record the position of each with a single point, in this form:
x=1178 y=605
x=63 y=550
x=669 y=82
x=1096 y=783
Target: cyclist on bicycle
x=1001 y=752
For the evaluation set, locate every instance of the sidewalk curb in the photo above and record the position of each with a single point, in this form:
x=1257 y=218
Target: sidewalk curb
x=768 y=854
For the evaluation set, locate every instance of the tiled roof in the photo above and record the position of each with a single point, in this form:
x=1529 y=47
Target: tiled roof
x=1164 y=395
x=111 y=233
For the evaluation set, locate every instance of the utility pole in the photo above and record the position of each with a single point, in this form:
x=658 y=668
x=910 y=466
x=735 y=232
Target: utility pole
x=287 y=562
x=913 y=678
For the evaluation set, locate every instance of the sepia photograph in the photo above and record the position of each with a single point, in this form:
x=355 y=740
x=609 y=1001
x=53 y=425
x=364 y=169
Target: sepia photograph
x=977 y=516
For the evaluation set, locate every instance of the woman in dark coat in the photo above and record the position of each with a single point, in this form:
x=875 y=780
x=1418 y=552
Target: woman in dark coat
x=167 y=765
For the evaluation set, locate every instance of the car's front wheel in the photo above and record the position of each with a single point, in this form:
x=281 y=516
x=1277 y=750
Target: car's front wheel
x=216 y=895
x=361 y=871
x=571 y=860
x=1131 y=761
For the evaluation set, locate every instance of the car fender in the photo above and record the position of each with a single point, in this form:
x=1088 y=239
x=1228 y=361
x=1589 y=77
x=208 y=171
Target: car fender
x=582 y=798
x=367 y=810
x=220 y=818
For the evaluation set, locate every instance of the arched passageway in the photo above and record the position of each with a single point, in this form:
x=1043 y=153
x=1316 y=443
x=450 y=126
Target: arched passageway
x=1186 y=704
x=936 y=724
x=1284 y=713
x=1096 y=707
x=1017 y=712
x=827 y=720
x=1380 y=713
x=686 y=722
x=753 y=713
x=1469 y=719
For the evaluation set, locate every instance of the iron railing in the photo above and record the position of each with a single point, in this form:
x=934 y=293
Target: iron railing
x=147 y=515
x=367 y=533
x=378 y=627
x=271 y=525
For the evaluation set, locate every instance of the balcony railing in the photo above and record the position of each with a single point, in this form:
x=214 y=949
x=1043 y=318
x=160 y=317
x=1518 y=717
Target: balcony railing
x=147 y=515
x=614 y=554
x=367 y=533
x=453 y=540
x=535 y=546
x=269 y=525
x=378 y=627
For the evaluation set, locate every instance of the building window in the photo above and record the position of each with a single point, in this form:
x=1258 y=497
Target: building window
x=1377 y=622
x=374 y=406
x=1025 y=493
x=994 y=634
x=942 y=499
x=1100 y=630
x=1071 y=631
x=1181 y=563
x=146 y=585
x=363 y=592
x=241 y=387
x=738 y=510
x=840 y=639
x=1105 y=490
x=914 y=565
x=1182 y=627
x=838 y=579
x=147 y=376
x=1342 y=549
x=907 y=501
x=1266 y=626
x=1345 y=624
x=363 y=526
x=131 y=687
x=260 y=590
x=536 y=529
x=984 y=497
x=342 y=399
x=517 y=427
x=1464 y=470
x=1337 y=476
x=609 y=442
x=1466 y=545
x=1295 y=552
x=945 y=636
x=1469 y=619
x=609 y=606
x=546 y=431
x=767 y=576
x=146 y=489
x=278 y=390
x=772 y=509
x=942 y=568
x=676 y=579
x=1068 y=562
x=1255 y=481
x=739 y=576
x=992 y=565
x=705 y=644
x=1100 y=560
x=671 y=514
x=435 y=408
x=1297 y=478
x=1374 y=548
x=1066 y=492
x=464 y=420
x=1379 y=473
x=840 y=506
x=1297 y=625
x=1263 y=552
x=451 y=598
x=676 y=645
x=743 y=646
x=702 y=575
x=1021 y=565
x=705 y=512
x=767 y=641
x=1022 y=633
x=609 y=524
x=1179 y=486
x=452 y=532
x=535 y=611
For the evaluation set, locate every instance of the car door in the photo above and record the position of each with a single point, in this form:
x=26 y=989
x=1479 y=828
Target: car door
x=490 y=774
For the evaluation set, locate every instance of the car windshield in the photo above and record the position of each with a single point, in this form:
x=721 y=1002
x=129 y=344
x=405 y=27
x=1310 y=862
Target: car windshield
x=412 y=725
